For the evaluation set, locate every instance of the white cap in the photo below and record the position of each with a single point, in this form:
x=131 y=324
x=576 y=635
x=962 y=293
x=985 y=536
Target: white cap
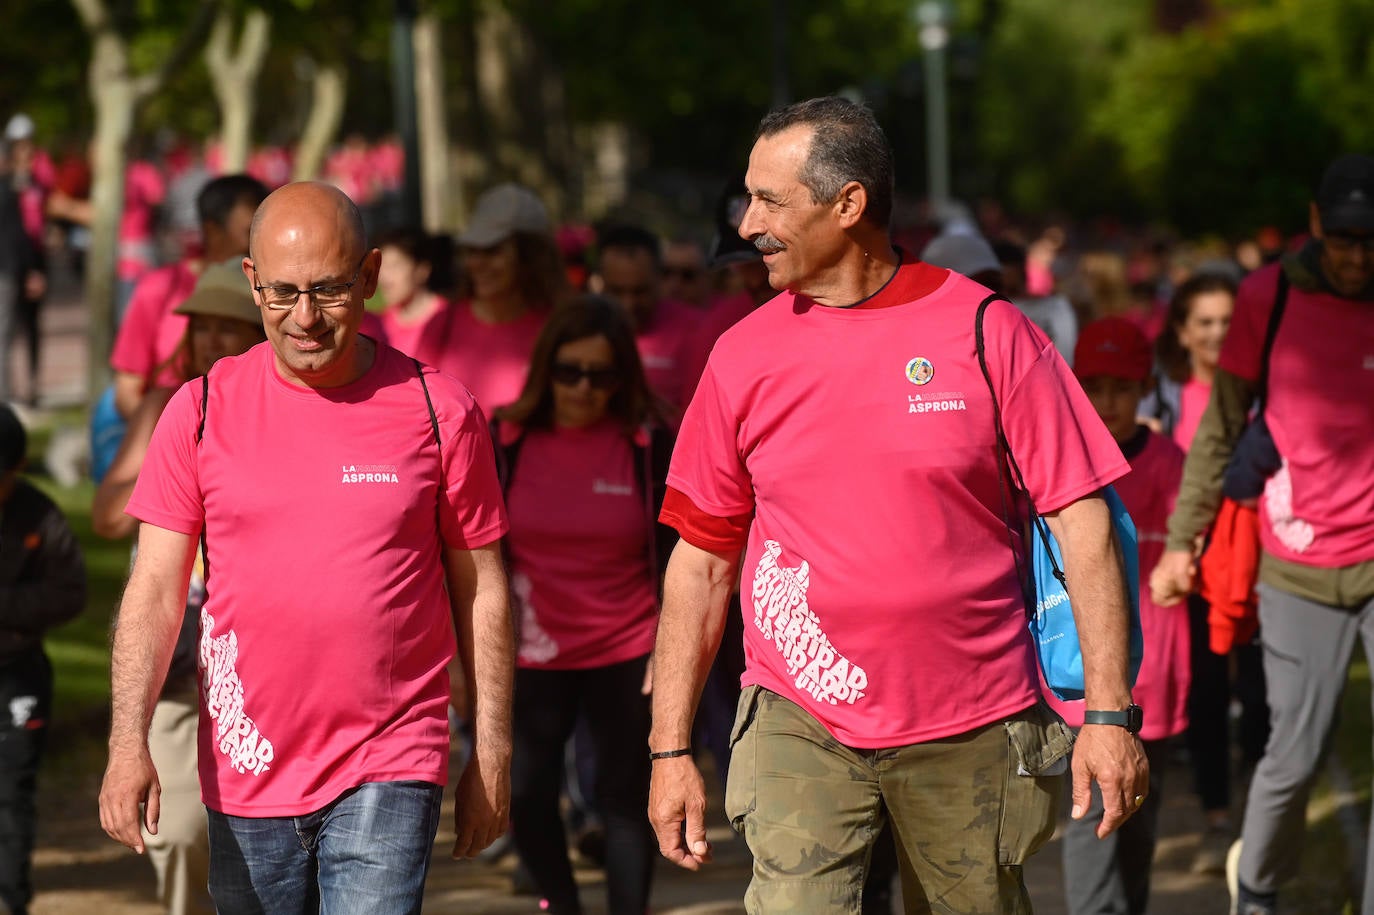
x=966 y=254
x=20 y=127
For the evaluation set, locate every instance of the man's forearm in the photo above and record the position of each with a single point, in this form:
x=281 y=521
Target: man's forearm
x=490 y=668
x=696 y=592
x=1096 y=582
x=145 y=634
x=480 y=601
x=1199 y=494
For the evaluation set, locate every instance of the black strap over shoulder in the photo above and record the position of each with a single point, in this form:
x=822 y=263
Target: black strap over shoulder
x=1271 y=333
x=1006 y=460
x=204 y=405
x=433 y=419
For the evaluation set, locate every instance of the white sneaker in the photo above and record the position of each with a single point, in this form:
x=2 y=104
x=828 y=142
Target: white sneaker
x=1233 y=876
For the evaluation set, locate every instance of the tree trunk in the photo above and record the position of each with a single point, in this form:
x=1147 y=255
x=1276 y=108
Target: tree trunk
x=435 y=173
x=234 y=75
x=117 y=92
x=326 y=113
x=115 y=102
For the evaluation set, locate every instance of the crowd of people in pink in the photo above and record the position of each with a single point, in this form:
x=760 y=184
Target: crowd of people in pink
x=727 y=491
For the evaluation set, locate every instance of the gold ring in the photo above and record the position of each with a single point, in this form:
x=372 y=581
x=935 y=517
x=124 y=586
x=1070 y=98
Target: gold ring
x=1139 y=799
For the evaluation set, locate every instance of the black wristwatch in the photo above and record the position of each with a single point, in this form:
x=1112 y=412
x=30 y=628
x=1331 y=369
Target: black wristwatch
x=1131 y=719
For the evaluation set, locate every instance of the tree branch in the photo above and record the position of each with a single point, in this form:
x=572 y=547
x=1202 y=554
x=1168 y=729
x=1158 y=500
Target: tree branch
x=187 y=45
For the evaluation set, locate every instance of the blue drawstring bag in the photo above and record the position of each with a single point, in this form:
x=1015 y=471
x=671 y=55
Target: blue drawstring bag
x=1051 y=624
x=107 y=432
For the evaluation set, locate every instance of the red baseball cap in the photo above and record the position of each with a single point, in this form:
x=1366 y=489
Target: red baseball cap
x=1114 y=347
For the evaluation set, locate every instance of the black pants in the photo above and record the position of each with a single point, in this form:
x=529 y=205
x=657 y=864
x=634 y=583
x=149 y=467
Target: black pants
x=1209 y=710
x=25 y=704
x=547 y=703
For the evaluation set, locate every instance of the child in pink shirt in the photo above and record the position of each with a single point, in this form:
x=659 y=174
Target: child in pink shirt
x=1113 y=361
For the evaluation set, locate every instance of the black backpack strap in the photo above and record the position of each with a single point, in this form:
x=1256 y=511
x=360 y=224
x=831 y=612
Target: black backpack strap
x=204 y=405
x=429 y=404
x=200 y=435
x=1006 y=460
x=1271 y=333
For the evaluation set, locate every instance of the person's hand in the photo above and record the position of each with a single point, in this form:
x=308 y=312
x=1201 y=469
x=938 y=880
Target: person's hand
x=1172 y=578
x=35 y=284
x=646 y=688
x=481 y=806
x=677 y=812
x=130 y=783
x=1114 y=758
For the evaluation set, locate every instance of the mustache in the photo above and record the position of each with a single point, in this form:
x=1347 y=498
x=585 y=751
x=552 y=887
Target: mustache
x=767 y=244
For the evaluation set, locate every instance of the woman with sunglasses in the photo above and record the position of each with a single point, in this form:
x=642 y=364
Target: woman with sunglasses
x=223 y=321
x=583 y=455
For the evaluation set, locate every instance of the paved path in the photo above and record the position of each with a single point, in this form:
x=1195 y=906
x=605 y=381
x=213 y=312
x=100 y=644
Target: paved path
x=78 y=870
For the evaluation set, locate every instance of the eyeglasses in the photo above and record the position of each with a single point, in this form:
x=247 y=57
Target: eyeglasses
x=1346 y=244
x=686 y=274
x=327 y=295
x=568 y=374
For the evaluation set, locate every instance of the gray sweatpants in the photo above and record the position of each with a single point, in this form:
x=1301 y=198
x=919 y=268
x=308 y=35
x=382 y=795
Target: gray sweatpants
x=1307 y=648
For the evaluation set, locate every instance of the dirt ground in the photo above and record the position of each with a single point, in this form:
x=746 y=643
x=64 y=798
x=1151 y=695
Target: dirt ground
x=78 y=871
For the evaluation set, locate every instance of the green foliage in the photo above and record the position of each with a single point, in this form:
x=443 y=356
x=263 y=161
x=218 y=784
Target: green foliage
x=695 y=78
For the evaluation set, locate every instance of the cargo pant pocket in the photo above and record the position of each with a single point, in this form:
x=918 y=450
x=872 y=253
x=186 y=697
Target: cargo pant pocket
x=1038 y=745
x=741 y=798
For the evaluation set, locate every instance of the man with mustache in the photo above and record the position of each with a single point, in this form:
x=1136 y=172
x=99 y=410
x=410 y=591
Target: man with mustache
x=840 y=452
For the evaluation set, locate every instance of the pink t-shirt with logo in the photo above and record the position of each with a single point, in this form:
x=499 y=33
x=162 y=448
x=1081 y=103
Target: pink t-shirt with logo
x=665 y=348
x=1161 y=689
x=878 y=584
x=579 y=550
x=150 y=333
x=1318 y=510
x=326 y=627
x=491 y=359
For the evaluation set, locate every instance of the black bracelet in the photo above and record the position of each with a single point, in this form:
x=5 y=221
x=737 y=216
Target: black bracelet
x=669 y=754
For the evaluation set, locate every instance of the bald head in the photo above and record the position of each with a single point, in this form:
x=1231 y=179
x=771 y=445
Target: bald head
x=308 y=207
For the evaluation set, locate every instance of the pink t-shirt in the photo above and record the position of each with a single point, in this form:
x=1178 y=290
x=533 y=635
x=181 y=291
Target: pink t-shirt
x=1148 y=493
x=143 y=192
x=579 y=550
x=1318 y=510
x=422 y=339
x=150 y=332
x=879 y=588
x=326 y=627
x=665 y=348
x=491 y=359
x=1192 y=403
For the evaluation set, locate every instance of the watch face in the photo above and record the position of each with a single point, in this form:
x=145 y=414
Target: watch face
x=1135 y=718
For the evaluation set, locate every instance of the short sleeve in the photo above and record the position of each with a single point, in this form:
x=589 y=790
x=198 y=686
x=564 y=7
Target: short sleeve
x=473 y=511
x=1243 y=350
x=135 y=345
x=1061 y=446
x=167 y=493
x=706 y=466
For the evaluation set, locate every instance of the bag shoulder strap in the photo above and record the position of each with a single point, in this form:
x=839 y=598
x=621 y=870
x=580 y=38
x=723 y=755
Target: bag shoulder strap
x=429 y=404
x=1271 y=332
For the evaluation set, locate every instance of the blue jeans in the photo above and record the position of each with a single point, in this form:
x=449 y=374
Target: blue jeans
x=366 y=853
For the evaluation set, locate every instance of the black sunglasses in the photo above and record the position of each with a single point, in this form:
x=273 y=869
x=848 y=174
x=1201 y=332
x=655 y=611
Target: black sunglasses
x=566 y=373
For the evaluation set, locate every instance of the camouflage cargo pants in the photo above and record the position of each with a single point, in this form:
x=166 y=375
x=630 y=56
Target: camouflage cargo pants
x=966 y=811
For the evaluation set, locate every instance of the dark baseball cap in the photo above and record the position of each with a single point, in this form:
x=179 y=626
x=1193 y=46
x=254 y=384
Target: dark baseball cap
x=1345 y=197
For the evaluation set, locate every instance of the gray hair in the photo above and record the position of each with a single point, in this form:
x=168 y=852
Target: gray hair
x=846 y=145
